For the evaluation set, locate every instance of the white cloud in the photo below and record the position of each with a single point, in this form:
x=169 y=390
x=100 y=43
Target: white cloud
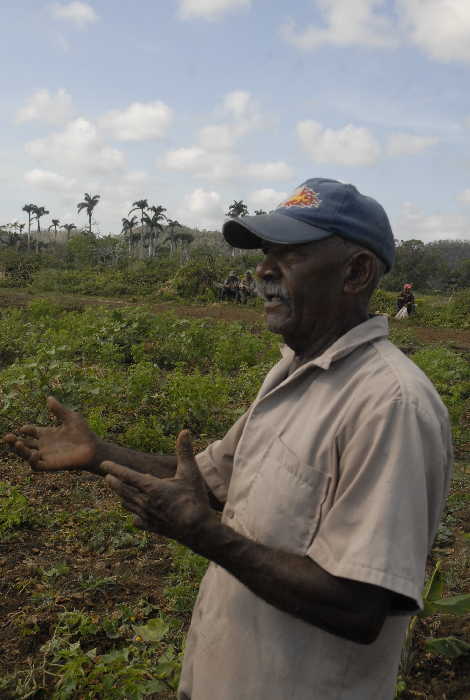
x=218 y=137
x=239 y=104
x=350 y=145
x=266 y=199
x=46 y=107
x=138 y=122
x=222 y=165
x=346 y=23
x=240 y=114
x=209 y=9
x=441 y=28
x=403 y=144
x=79 y=13
x=48 y=180
x=464 y=196
x=276 y=170
x=213 y=156
x=185 y=158
x=415 y=223
x=202 y=208
x=77 y=146
x=205 y=202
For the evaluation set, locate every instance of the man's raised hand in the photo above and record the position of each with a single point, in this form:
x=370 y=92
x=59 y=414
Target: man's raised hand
x=67 y=446
x=177 y=507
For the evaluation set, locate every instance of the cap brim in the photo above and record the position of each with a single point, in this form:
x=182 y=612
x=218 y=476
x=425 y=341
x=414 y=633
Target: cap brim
x=251 y=231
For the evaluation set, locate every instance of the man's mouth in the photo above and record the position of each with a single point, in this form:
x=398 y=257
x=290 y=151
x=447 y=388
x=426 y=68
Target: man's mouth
x=273 y=302
x=272 y=294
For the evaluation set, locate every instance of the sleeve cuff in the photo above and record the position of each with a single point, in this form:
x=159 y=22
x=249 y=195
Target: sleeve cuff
x=355 y=571
x=211 y=476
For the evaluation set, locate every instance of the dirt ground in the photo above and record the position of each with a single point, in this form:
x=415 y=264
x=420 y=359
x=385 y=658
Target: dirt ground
x=458 y=338
x=95 y=582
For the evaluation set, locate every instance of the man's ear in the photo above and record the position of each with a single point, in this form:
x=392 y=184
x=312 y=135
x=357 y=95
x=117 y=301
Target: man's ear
x=360 y=272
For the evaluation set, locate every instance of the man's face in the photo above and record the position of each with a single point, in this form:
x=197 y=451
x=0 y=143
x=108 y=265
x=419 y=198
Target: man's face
x=302 y=286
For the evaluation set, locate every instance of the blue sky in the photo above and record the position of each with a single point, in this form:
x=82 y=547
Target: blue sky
x=194 y=103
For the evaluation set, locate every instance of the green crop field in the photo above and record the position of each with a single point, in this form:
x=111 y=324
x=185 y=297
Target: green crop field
x=91 y=606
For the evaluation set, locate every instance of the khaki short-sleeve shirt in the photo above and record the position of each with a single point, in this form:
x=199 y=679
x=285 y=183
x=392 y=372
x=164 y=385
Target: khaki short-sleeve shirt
x=346 y=460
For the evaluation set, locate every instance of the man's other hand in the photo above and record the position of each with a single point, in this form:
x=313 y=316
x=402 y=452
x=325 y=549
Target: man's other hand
x=177 y=507
x=67 y=446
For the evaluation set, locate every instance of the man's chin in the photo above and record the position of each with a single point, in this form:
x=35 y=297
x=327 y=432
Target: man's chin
x=277 y=318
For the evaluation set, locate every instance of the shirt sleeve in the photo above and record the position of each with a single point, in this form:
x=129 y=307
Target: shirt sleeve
x=216 y=461
x=394 y=477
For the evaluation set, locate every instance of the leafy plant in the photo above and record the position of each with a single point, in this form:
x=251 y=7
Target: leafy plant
x=435 y=603
x=15 y=511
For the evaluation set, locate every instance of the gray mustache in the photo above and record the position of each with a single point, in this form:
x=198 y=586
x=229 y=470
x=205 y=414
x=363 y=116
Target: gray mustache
x=271 y=289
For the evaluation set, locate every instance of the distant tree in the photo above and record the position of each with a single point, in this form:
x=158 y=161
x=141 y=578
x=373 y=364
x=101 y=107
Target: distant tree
x=89 y=203
x=29 y=209
x=69 y=228
x=39 y=212
x=54 y=225
x=258 y=212
x=9 y=234
x=127 y=229
x=463 y=273
x=140 y=205
x=184 y=239
x=173 y=225
x=236 y=209
x=154 y=222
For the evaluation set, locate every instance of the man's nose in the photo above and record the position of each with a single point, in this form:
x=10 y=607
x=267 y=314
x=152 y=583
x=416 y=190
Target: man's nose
x=267 y=268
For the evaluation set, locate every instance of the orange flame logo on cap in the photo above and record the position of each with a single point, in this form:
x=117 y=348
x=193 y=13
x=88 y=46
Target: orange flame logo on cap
x=302 y=197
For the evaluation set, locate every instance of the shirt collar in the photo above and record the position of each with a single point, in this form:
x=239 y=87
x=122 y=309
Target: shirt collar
x=372 y=329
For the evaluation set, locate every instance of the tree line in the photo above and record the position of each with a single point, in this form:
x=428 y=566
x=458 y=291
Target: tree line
x=147 y=232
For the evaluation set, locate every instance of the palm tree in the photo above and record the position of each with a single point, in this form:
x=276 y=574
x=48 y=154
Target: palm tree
x=236 y=209
x=69 y=228
x=184 y=238
x=29 y=209
x=54 y=225
x=154 y=223
x=171 y=237
x=141 y=205
x=89 y=203
x=127 y=229
x=38 y=212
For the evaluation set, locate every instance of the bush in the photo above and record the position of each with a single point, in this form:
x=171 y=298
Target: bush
x=383 y=302
x=448 y=371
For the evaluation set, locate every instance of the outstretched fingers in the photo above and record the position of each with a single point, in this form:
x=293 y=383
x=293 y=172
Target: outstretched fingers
x=21 y=450
x=58 y=409
x=30 y=430
x=141 y=482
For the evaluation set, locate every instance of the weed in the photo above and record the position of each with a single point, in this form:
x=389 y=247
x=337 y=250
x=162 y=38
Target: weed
x=15 y=511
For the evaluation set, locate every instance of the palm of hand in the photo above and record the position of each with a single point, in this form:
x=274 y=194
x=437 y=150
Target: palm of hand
x=70 y=446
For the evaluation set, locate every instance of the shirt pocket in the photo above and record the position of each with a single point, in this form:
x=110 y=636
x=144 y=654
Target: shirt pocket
x=284 y=505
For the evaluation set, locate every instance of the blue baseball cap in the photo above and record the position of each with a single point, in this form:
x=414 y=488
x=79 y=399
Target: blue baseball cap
x=318 y=208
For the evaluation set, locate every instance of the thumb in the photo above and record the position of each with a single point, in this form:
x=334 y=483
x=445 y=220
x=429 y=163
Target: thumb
x=186 y=464
x=57 y=409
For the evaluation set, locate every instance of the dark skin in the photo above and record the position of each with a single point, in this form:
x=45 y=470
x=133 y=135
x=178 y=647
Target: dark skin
x=326 y=288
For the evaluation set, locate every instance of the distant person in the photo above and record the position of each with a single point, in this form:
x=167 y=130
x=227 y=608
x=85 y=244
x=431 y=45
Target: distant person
x=231 y=287
x=332 y=483
x=247 y=287
x=406 y=298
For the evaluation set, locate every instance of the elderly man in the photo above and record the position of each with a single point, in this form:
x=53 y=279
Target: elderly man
x=332 y=483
